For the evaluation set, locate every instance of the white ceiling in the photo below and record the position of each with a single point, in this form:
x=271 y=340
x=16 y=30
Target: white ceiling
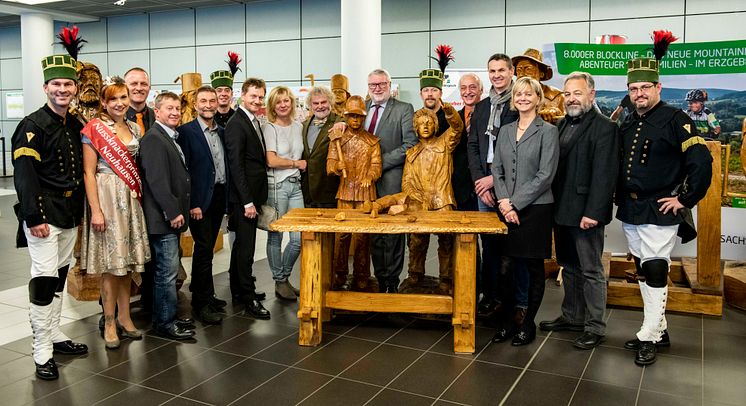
x=106 y=8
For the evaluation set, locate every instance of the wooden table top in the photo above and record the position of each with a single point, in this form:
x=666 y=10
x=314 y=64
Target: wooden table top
x=355 y=221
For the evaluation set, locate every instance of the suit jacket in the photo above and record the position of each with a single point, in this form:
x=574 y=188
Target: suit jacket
x=463 y=185
x=318 y=187
x=478 y=143
x=397 y=136
x=587 y=171
x=148 y=117
x=524 y=171
x=198 y=157
x=165 y=181
x=247 y=161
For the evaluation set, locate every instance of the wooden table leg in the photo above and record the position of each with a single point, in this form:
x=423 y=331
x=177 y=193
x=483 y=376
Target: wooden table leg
x=327 y=259
x=311 y=288
x=464 y=293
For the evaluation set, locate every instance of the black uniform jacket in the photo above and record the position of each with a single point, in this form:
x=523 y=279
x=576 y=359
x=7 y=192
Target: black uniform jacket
x=662 y=156
x=222 y=119
x=165 y=182
x=48 y=170
x=587 y=171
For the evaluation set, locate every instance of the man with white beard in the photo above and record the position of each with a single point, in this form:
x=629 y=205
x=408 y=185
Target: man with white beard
x=583 y=188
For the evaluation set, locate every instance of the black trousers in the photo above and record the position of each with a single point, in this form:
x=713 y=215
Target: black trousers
x=204 y=233
x=242 y=255
x=387 y=253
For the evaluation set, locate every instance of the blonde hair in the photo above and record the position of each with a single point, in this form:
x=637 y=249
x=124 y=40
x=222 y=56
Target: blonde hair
x=524 y=83
x=274 y=97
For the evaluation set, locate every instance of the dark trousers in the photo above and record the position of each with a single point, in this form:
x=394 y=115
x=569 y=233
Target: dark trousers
x=204 y=233
x=579 y=253
x=536 y=283
x=387 y=252
x=242 y=255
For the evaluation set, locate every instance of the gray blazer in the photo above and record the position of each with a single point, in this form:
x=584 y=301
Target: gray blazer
x=524 y=171
x=397 y=136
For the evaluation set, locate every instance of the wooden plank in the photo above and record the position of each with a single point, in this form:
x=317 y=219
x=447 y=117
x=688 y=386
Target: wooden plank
x=691 y=267
x=679 y=299
x=734 y=284
x=311 y=290
x=708 y=226
x=619 y=266
x=454 y=222
x=388 y=302
x=464 y=294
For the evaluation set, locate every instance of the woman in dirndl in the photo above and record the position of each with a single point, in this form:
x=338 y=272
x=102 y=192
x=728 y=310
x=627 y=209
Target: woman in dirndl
x=115 y=239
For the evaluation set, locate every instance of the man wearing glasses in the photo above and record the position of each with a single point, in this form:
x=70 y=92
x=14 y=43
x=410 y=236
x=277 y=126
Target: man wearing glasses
x=391 y=121
x=665 y=170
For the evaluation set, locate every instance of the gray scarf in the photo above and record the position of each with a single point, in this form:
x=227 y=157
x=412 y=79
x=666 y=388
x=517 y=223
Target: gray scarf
x=498 y=103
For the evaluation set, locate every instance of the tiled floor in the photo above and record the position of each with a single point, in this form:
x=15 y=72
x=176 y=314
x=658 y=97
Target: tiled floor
x=370 y=359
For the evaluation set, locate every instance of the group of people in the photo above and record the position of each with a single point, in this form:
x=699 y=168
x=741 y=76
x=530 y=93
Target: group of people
x=146 y=179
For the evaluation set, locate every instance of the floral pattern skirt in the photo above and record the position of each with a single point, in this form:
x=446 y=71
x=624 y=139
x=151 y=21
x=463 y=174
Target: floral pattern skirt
x=123 y=247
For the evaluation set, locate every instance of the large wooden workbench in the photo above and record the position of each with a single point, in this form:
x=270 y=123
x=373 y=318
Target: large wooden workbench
x=316 y=299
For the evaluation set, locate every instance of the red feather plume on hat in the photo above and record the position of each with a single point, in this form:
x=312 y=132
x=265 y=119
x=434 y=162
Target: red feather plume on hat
x=71 y=41
x=443 y=55
x=661 y=40
x=233 y=60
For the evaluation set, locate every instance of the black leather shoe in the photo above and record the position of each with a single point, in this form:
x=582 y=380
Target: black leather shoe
x=255 y=309
x=69 y=348
x=646 y=353
x=488 y=307
x=47 y=371
x=503 y=334
x=207 y=315
x=588 y=341
x=217 y=303
x=176 y=332
x=560 y=324
x=185 y=323
x=634 y=344
x=259 y=295
x=522 y=338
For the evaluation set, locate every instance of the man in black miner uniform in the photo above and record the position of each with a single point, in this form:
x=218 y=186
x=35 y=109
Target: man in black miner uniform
x=48 y=173
x=665 y=170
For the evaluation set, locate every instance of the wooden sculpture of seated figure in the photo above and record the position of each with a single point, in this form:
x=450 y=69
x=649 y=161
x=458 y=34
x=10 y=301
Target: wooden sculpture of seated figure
x=426 y=186
x=355 y=156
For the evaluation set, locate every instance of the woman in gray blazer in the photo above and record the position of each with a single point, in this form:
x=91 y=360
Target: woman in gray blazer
x=526 y=157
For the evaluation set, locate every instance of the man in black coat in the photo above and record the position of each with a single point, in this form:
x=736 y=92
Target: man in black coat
x=583 y=189
x=244 y=145
x=165 y=201
x=484 y=125
x=201 y=140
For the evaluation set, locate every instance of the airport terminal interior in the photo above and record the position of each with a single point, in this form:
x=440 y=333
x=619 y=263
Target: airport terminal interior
x=363 y=358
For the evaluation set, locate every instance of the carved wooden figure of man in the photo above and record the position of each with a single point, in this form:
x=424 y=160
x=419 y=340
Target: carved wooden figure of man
x=531 y=64
x=355 y=156
x=426 y=185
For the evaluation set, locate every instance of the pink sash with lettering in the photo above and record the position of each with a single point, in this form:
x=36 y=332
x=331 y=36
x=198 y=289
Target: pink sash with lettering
x=115 y=153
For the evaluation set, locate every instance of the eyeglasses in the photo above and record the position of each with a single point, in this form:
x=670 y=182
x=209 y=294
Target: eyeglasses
x=643 y=89
x=380 y=85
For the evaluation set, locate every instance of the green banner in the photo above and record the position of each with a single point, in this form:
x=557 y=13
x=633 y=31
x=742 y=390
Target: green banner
x=697 y=58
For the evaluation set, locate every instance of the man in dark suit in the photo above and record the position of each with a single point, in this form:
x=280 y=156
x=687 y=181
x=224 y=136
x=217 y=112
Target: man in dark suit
x=319 y=189
x=201 y=140
x=470 y=90
x=583 y=190
x=244 y=146
x=391 y=121
x=484 y=125
x=165 y=201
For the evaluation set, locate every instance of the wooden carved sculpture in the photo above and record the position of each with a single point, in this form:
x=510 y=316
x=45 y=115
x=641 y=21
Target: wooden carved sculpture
x=531 y=64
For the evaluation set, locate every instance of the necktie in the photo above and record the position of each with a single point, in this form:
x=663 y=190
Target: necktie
x=140 y=123
x=468 y=119
x=258 y=129
x=319 y=121
x=374 y=120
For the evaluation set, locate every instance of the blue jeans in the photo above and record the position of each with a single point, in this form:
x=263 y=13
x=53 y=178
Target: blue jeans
x=165 y=249
x=289 y=196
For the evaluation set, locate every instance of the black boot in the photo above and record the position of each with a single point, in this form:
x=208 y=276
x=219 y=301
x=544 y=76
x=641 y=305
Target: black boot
x=527 y=332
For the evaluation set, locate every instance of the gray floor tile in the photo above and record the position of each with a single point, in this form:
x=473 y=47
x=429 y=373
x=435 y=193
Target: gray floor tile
x=560 y=357
x=482 y=384
x=537 y=388
x=382 y=365
x=674 y=375
x=391 y=397
x=224 y=388
x=613 y=366
x=591 y=393
x=192 y=372
x=296 y=385
x=337 y=356
x=648 y=398
x=342 y=392
x=430 y=375
x=144 y=396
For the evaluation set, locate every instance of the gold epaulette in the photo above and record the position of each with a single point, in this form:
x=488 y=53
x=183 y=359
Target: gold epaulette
x=26 y=151
x=692 y=141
